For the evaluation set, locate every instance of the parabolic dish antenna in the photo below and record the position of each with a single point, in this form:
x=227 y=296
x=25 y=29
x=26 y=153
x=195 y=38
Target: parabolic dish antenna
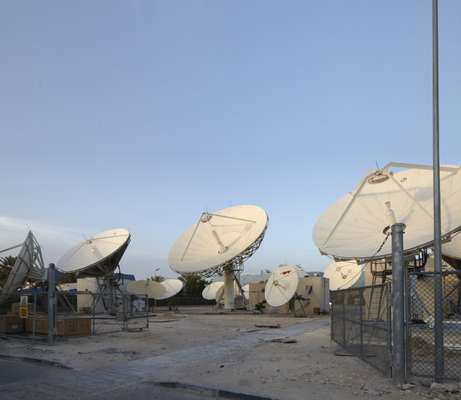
x=282 y=285
x=358 y=225
x=98 y=256
x=452 y=248
x=151 y=289
x=172 y=288
x=27 y=266
x=218 y=239
x=343 y=274
x=210 y=291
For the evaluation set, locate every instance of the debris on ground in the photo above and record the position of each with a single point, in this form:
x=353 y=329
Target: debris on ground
x=406 y=386
x=271 y=326
x=284 y=340
x=340 y=353
x=444 y=387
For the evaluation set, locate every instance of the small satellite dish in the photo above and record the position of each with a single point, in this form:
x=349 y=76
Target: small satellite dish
x=172 y=288
x=358 y=225
x=210 y=291
x=151 y=289
x=98 y=256
x=344 y=274
x=282 y=285
x=219 y=243
x=29 y=265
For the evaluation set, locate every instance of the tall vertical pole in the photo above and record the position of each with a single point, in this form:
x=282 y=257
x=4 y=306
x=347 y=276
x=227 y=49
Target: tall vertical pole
x=51 y=303
x=398 y=305
x=438 y=289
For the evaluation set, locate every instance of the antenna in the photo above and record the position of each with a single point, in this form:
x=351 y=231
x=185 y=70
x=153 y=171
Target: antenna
x=344 y=274
x=28 y=265
x=219 y=243
x=98 y=257
x=356 y=225
x=282 y=285
x=155 y=290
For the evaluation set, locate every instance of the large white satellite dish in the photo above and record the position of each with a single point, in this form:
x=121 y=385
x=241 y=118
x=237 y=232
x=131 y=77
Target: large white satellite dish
x=151 y=289
x=452 y=248
x=28 y=265
x=357 y=226
x=210 y=290
x=282 y=285
x=172 y=288
x=98 y=256
x=218 y=238
x=344 y=274
x=219 y=243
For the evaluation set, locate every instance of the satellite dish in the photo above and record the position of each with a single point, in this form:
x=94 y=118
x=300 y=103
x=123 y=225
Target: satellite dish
x=452 y=248
x=344 y=274
x=282 y=285
x=218 y=238
x=172 y=288
x=98 y=256
x=28 y=266
x=210 y=291
x=219 y=243
x=151 y=289
x=358 y=225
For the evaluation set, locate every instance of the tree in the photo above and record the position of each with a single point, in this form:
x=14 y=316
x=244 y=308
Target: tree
x=6 y=263
x=193 y=285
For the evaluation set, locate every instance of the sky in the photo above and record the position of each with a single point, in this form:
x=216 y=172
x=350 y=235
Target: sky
x=143 y=114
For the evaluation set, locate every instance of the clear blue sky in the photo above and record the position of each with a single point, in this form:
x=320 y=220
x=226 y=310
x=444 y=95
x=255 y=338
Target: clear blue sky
x=141 y=114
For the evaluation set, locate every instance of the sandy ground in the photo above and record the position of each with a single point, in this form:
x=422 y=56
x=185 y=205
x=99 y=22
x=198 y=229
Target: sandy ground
x=167 y=332
x=229 y=352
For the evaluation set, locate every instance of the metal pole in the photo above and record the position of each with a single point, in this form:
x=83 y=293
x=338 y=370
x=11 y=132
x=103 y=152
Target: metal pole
x=51 y=304
x=438 y=289
x=361 y=298
x=398 y=305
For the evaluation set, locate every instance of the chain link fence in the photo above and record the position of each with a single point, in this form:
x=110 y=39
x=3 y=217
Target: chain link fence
x=421 y=339
x=361 y=324
x=75 y=314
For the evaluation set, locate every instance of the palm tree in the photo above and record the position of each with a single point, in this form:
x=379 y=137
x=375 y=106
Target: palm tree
x=6 y=263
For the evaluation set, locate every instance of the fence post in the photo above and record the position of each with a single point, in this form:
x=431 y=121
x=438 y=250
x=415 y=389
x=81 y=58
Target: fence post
x=51 y=303
x=361 y=293
x=344 y=319
x=398 y=305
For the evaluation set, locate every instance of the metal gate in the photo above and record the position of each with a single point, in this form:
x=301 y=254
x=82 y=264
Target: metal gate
x=421 y=332
x=361 y=323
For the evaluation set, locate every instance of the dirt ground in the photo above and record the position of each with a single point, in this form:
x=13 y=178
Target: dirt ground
x=229 y=352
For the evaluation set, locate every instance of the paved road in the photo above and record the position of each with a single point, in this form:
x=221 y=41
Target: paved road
x=17 y=370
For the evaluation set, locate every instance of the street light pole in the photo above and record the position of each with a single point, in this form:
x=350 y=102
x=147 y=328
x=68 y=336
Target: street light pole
x=438 y=288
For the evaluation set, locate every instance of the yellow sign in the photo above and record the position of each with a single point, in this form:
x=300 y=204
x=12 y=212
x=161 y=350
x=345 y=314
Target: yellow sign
x=23 y=307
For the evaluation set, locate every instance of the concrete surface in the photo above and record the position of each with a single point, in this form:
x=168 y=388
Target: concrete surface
x=243 y=361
